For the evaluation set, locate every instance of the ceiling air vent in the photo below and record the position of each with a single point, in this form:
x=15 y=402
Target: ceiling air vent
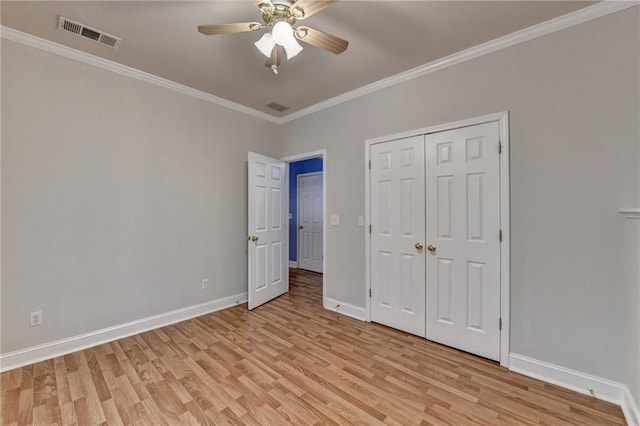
x=277 y=106
x=88 y=32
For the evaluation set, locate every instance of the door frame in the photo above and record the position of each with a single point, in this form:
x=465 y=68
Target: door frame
x=505 y=248
x=321 y=153
x=298 y=210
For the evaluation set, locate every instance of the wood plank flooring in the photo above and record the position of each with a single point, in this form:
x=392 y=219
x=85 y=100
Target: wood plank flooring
x=289 y=361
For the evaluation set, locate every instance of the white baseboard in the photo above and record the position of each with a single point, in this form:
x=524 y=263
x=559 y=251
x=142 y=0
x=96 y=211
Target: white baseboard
x=607 y=390
x=352 y=311
x=630 y=409
x=293 y=264
x=22 y=357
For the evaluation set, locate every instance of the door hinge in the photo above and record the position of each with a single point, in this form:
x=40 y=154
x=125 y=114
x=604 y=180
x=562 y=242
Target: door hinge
x=369 y=164
x=500 y=235
x=370 y=227
x=500 y=324
x=369 y=292
x=499 y=147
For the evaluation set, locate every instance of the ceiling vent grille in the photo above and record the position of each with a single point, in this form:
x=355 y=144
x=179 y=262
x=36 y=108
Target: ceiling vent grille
x=88 y=32
x=277 y=106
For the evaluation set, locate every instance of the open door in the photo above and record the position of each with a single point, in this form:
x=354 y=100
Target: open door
x=268 y=248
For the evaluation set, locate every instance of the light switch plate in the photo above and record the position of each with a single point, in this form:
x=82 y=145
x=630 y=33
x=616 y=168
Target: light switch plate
x=335 y=219
x=360 y=220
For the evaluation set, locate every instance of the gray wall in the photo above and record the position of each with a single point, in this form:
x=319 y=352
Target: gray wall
x=118 y=197
x=574 y=128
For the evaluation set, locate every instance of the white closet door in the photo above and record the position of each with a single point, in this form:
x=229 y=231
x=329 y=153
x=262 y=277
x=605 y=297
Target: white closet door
x=463 y=223
x=397 y=219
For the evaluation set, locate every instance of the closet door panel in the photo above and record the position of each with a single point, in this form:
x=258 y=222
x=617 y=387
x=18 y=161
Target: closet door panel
x=398 y=229
x=462 y=234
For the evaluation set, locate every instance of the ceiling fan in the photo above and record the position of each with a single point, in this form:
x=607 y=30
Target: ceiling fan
x=280 y=16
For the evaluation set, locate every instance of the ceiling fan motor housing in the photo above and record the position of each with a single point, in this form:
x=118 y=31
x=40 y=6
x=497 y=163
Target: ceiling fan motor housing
x=279 y=10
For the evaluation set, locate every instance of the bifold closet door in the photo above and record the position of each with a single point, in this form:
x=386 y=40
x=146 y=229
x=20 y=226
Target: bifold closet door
x=397 y=234
x=463 y=225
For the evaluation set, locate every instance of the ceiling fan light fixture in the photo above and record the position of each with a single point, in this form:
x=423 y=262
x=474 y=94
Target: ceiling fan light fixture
x=279 y=16
x=292 y=49
x=283 y=35
x=265 y=44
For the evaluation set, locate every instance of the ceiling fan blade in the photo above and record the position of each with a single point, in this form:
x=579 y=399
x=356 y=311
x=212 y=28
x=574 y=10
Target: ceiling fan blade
x=322 y=40
x=276 y=56
x=304 y=8
x=229 y=28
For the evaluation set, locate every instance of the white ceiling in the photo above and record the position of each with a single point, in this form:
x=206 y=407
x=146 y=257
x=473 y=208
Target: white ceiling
x=386 y=37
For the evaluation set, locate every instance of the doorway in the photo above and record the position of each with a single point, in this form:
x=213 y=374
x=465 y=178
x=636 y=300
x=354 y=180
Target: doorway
x=306 y=217
x=305 y=214
x=269 y=232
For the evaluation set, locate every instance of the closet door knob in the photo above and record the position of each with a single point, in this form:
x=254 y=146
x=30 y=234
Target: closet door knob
x=431 y=248
x=254 y=238
x=419 y=245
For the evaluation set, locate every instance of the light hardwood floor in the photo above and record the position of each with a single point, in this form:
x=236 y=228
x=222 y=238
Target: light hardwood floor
x=289 y=361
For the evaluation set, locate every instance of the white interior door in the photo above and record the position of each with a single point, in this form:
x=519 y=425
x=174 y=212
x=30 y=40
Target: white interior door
x=463 y=225
x=398 y=231
x=310 y=222
x=268 y=248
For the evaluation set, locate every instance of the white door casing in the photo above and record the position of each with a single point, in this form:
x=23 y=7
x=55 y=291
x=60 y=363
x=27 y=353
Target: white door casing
x=398 y=225
x=267 y=244
x=310 y=221
x=463 y=224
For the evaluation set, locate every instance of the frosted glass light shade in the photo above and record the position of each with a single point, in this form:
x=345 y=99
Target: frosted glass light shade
x=265 y=44
x=292 y=48
x=283 y=35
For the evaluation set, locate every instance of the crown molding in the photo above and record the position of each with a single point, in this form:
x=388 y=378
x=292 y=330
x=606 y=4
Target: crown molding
x=589 y=13
x=87 y=58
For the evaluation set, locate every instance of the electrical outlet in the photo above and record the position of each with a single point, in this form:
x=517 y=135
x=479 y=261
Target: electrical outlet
x=205 y=284
x=36 y=318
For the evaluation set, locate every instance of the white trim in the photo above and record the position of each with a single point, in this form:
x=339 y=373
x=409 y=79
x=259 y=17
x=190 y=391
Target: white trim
x=347 y=309
x=630 y=213
x=293 y=264
x=607 y=390
x=306 y=156
x=22 y=357
x=505 y=249
x=320 y=153
x=367 y=229
x=544 y=28
x=553 y=25
x=488 y=118
x=630 y=408
x=96 y=61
